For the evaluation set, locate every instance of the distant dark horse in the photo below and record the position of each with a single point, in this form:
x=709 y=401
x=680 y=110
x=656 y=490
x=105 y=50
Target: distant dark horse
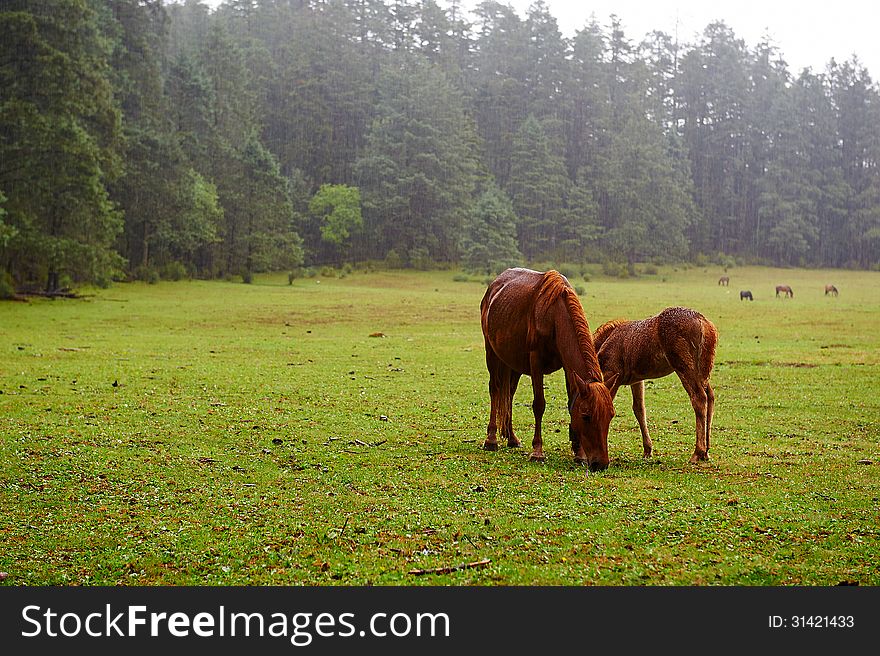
x=786 y=291
x=746 y=294
x=830 y=289
x=724 y=280
x=678 y=339
x=533 y=324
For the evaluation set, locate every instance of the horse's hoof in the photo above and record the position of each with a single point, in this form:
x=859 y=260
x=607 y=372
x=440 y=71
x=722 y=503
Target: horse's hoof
x=514 y=445
x=699 y=458
x=536 y=457
x=490 y=446
x=582 y=462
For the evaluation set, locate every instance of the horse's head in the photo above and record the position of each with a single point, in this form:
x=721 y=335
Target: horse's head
x=591 y=412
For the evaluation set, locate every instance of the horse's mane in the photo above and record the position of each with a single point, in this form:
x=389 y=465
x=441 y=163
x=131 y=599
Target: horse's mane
x=553 y=285
x=603 y=331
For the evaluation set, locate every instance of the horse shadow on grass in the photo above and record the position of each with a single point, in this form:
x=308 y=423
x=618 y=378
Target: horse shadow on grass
x=559 y=459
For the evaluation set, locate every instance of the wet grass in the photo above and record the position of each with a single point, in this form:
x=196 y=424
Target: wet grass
x=328 y=432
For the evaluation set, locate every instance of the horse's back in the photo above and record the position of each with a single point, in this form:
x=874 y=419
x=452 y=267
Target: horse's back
x=510 y=294
x=514 y=281
x=505 y=311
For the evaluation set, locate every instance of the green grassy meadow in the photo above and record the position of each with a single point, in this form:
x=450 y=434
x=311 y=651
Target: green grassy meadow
x=328 y=432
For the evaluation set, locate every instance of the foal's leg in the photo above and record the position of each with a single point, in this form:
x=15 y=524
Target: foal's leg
x=710 y=413
x=700 y=403
x=638 y=394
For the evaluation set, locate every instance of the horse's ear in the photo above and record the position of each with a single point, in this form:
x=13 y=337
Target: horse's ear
x=582 y=386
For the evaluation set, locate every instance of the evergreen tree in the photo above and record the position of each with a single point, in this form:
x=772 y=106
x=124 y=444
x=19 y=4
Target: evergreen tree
x=489 y=238
x=646 y=206
x=786 y=231
x=580 y=231
x=587 y=124
x=318 y=96
x=258 y=232
x=546 y=71
x=714 y=92
x=420 y=168
x=171 y=212
x=538 y=187
x=645 y=201
x=857 y=103
x=498 y=82
x=59 y=141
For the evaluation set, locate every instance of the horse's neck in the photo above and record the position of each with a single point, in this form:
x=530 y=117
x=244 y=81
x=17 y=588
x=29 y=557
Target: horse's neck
x=575 y=349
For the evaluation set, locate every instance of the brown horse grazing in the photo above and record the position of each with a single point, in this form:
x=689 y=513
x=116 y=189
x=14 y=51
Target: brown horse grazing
x=830 y=289
x=785 y=290
x=533 y=324
x=745 y=293
x=678 y=339
x=724 y=280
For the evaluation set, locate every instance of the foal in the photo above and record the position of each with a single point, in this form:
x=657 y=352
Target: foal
x=678 y=339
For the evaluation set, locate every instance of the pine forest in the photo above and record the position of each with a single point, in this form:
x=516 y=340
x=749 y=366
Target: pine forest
x=148 y=139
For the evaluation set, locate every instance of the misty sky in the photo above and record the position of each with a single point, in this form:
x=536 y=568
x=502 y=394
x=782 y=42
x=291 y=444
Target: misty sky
x=807 y=32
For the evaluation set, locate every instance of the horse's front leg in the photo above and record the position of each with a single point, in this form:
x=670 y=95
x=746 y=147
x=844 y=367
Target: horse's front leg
x=638 y=394
x=538 y=405
x=580 y=457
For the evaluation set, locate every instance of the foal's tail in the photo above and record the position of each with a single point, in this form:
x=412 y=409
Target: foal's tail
x=706 y=356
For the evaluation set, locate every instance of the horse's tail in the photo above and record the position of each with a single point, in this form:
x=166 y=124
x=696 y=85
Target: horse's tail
x=504 y=418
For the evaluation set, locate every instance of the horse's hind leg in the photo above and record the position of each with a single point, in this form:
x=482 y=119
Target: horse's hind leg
x=502 y=386
x=491 y=442
x=507 y=424
x=499 y=378
x=638 y=394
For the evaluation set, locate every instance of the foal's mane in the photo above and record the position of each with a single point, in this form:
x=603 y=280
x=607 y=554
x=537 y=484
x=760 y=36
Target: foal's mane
x=553 y=285
x=603 y=331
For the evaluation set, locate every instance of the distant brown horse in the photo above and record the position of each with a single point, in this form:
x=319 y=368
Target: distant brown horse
x=724 y=280
x=785 y=290
x=745 y=294
x=678 y=339
x=533 y=324
x=830 y=289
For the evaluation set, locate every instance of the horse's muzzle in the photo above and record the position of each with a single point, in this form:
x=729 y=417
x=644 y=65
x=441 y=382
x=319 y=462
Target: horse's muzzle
x=593 y=465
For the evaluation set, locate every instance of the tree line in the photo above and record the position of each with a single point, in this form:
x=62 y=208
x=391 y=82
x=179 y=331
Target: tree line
x=143 y=138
